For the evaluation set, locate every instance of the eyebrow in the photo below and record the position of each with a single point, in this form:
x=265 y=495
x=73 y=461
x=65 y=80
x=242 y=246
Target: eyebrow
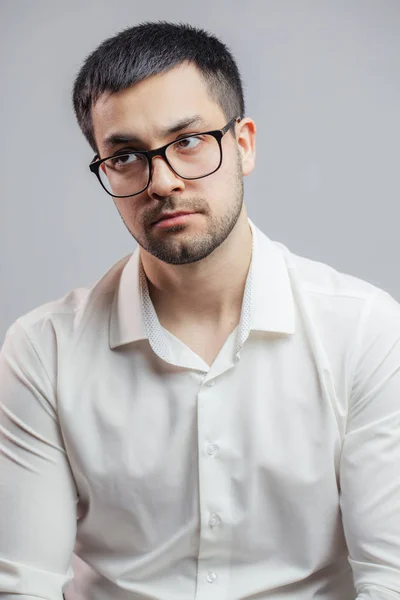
x=127 y=138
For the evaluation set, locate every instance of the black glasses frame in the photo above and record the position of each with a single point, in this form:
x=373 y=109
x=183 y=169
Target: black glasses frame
x=218 y=134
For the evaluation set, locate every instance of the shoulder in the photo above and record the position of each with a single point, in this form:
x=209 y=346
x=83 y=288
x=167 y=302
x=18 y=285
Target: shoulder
x=64 y=316
x=322 y=279
x=321 y=283
x=339 y=301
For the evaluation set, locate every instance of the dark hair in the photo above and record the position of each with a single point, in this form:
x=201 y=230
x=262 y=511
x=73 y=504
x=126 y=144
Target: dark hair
x=149 y=49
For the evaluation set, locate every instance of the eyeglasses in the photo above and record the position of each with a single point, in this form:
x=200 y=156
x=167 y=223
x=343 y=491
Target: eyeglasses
x=128 y=173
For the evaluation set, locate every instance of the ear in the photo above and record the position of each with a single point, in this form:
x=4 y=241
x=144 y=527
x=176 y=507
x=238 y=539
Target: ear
x=246 y=139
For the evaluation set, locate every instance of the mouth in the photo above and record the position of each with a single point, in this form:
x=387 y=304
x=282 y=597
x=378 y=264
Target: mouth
x=170 y=219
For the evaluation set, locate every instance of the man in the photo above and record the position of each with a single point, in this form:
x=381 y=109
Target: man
x=215 y=418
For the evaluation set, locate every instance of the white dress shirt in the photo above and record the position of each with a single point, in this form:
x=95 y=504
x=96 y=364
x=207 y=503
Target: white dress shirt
x=273 y=474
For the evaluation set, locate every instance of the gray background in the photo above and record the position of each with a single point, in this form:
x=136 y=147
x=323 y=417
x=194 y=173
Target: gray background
x=322 y=83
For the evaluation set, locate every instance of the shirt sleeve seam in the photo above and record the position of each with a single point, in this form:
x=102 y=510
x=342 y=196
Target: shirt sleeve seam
x=32 y=345
x=365 y=313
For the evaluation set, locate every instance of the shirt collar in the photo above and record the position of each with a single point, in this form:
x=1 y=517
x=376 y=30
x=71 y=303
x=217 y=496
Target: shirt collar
x=127 y=319
x=268 y=284
x=272 y=305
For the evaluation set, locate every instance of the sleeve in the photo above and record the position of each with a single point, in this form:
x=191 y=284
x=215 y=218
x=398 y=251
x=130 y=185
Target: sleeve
x=370 y=462
x=37 y=492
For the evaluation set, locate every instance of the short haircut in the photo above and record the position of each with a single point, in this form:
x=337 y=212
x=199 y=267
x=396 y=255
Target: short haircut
x=149 y=49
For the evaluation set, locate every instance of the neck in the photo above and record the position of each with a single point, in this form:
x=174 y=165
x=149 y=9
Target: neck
x=211 y=289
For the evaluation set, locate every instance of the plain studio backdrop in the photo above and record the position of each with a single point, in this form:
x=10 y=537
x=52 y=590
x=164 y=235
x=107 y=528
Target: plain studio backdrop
x=322 y=81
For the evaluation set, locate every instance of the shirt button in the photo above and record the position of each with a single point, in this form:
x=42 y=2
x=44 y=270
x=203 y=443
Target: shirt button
x=210 y=383
x=211 y=577
x=237 y=356
x=212 y=449
x=214 y=520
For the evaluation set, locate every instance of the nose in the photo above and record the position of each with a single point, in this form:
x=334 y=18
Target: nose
x=163 y=180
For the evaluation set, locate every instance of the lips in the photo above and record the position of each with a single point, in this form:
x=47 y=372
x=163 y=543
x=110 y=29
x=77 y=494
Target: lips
x=166 y=216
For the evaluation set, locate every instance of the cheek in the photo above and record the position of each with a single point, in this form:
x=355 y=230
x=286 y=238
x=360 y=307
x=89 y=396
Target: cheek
x=129 y=209
x=226 y=174
x=228 y=177
x=231 y=167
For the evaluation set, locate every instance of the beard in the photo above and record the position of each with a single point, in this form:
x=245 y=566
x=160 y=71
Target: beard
x=181 y=249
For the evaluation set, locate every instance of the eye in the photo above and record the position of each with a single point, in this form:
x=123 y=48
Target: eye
x=122 y=160
x=189 y=143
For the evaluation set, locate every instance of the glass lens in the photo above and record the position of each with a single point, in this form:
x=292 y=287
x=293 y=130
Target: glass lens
x=194 y=156
x=125 y=174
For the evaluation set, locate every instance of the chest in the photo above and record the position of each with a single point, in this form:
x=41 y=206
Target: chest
x=160 y=452
x=266 y=421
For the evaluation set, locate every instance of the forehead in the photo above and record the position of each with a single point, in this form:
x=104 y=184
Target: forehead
x=154 y=103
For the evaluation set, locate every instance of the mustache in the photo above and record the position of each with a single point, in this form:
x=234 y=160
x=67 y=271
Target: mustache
x=172 y=204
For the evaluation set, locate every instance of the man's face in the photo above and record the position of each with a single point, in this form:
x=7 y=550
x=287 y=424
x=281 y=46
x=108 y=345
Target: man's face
x=145 y=111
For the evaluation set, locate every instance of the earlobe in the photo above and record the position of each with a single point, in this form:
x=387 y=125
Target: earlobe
x=248 y=164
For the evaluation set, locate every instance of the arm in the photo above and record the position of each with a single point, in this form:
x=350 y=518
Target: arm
x=37 y=492
x=370 y=466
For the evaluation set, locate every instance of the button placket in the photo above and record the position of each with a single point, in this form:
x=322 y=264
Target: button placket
x=214 y=495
